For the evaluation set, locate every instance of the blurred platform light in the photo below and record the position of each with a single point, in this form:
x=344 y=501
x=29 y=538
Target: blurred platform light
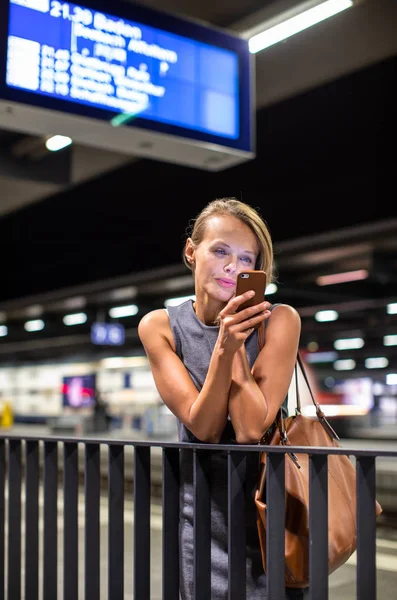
x=58 y=142
x=391 y=379
x=312 y=346
x=378 y=388
x=348 y=344
x=75 y=319
x=335 y=410
x=390 y=340
x=288 y=23
x=323 y=316
x=391 y=308
x=75 y=303
x=123 y=362
x=3 y=330
x=271 y=289
x=342 y=277
x=178 y=300
x=123 y=311
x=321 y=357
x=34 y=325
x=346 y=364
x=329 y=382
x=123 y=293
x=378 y=362
x=36 y=310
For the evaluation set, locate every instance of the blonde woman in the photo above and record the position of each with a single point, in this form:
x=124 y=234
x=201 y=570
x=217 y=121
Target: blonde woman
x=208 y=371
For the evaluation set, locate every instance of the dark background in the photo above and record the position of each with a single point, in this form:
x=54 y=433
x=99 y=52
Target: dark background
x=325 y=160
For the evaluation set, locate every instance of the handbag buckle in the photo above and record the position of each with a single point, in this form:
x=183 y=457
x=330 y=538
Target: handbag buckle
x=284 y=437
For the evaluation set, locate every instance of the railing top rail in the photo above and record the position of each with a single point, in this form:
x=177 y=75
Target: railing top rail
x=377 y=452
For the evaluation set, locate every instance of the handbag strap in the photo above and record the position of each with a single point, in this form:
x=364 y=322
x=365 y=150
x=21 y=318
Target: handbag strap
x=320 y=415
x=280 y=420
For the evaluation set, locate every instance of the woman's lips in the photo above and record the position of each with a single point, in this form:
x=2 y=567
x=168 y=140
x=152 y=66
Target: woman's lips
x=226 y=283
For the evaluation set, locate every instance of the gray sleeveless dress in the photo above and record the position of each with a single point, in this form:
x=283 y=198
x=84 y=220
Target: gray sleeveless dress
x=194 y=345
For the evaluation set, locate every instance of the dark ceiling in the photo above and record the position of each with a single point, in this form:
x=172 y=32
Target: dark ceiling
x=323 y=178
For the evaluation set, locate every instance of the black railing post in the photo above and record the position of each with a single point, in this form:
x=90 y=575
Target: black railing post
x=275 y=520
x=32 y=520
x=116 y=523
x=14 y=519
x=2 y=516
x=318 y=526
x=142 y=523
x=366 y=528
x=237 y=464
x=50 y=532
x=70 y=519
x=201 y=526
x=170 y=496
x=92 y=483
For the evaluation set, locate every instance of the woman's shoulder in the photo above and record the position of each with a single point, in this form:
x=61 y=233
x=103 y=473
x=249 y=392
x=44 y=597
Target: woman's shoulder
x=284 y=313
x=154 y=321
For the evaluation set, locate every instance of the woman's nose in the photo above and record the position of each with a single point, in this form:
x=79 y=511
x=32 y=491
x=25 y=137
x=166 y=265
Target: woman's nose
x=231 y=265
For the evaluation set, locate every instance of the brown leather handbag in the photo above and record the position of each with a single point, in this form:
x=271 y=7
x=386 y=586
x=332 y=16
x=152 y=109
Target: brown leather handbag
x=298 y=430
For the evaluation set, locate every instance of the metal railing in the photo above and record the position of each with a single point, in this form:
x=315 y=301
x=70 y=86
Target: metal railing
x=30 y=466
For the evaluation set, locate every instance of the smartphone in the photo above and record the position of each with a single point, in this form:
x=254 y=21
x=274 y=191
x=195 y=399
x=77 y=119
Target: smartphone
x=251 y=280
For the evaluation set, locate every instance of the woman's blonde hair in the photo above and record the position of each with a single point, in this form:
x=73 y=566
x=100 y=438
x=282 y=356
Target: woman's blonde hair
x=245 y=213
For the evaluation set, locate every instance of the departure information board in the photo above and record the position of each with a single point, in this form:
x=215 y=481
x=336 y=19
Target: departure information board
x=79 y=55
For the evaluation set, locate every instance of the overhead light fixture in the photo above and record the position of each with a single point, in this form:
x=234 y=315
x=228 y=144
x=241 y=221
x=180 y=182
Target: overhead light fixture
x=342 y=277
x=3 y=330
x=36 y=310
x=290 y=22
x=348 y=344
x=74 y=303
x=378 y=362
x=35 y=325
x=122 y=362
x=75 y=319
x=392 y=308
x=57 y=142
x=391 y=379
x=323 y=316
x=321 y=357
x=344 y=365
x=177 y=301
x=123 y=311
x=390 y=340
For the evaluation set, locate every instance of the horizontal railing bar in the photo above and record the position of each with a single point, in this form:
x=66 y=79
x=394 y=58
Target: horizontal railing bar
x=205 y=446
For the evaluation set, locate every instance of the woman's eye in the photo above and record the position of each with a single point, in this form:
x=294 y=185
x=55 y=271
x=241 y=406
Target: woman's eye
x=220 y=251
x=246 y=259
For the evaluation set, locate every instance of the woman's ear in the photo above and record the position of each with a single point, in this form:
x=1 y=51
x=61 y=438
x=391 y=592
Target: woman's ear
x=189 y=251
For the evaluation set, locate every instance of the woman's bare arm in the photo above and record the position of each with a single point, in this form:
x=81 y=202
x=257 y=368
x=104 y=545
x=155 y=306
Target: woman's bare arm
x=204 y=413
x=256 y=396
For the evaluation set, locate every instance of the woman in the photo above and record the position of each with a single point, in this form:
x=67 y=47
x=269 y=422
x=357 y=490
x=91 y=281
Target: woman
x=206 y=366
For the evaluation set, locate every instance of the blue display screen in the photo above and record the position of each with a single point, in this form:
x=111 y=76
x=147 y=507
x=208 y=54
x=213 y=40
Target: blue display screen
x=80 y=55
x=112 y=334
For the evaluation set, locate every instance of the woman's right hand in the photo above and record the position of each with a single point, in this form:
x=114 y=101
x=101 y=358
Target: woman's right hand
x=235 y=326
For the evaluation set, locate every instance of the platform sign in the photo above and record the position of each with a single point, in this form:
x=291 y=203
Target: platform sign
x=107 y=334
x=125 y=64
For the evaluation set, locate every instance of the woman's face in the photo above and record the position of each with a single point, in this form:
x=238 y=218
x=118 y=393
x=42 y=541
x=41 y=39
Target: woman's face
x=227 y=248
